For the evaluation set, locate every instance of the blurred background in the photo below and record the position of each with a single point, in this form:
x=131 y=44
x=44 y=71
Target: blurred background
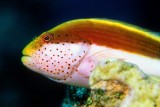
x=22 y=20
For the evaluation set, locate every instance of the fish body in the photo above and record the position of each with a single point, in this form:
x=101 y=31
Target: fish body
x=69 y=52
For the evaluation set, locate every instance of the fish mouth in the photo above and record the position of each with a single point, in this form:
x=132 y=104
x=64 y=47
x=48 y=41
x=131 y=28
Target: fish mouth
x=26 y=55
x=25 y=58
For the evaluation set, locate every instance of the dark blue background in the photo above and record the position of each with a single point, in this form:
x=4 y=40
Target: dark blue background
x=22 y=20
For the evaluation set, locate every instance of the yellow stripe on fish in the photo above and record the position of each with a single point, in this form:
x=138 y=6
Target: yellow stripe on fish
x=113 y=34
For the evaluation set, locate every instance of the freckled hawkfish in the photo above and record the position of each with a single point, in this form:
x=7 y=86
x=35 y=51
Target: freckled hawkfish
x=69 y=52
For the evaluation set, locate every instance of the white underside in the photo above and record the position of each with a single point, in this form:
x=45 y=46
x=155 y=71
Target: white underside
x=97 y=54
x=146 y=64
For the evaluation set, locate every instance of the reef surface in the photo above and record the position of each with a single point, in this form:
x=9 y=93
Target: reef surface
x=116 y=84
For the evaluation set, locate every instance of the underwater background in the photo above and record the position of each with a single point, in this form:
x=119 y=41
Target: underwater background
x=22 y=20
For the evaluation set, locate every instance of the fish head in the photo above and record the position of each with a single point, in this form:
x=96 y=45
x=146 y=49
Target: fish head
x=55 y=55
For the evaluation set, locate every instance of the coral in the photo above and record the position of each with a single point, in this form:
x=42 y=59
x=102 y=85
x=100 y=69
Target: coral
x=76 y=96
x=125 y=85
x=117 y=84
x=108 y=93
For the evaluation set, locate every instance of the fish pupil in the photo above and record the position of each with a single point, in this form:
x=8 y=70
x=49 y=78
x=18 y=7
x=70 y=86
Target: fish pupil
x=47 y=38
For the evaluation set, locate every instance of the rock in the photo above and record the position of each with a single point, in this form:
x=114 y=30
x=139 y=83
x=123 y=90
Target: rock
x=116 y=84
x=123 y=84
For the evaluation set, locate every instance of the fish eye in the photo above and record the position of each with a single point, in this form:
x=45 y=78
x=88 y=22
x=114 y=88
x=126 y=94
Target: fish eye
x=47 y=37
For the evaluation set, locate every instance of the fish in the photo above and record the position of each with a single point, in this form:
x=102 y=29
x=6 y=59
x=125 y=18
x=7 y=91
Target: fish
x=69 y=52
